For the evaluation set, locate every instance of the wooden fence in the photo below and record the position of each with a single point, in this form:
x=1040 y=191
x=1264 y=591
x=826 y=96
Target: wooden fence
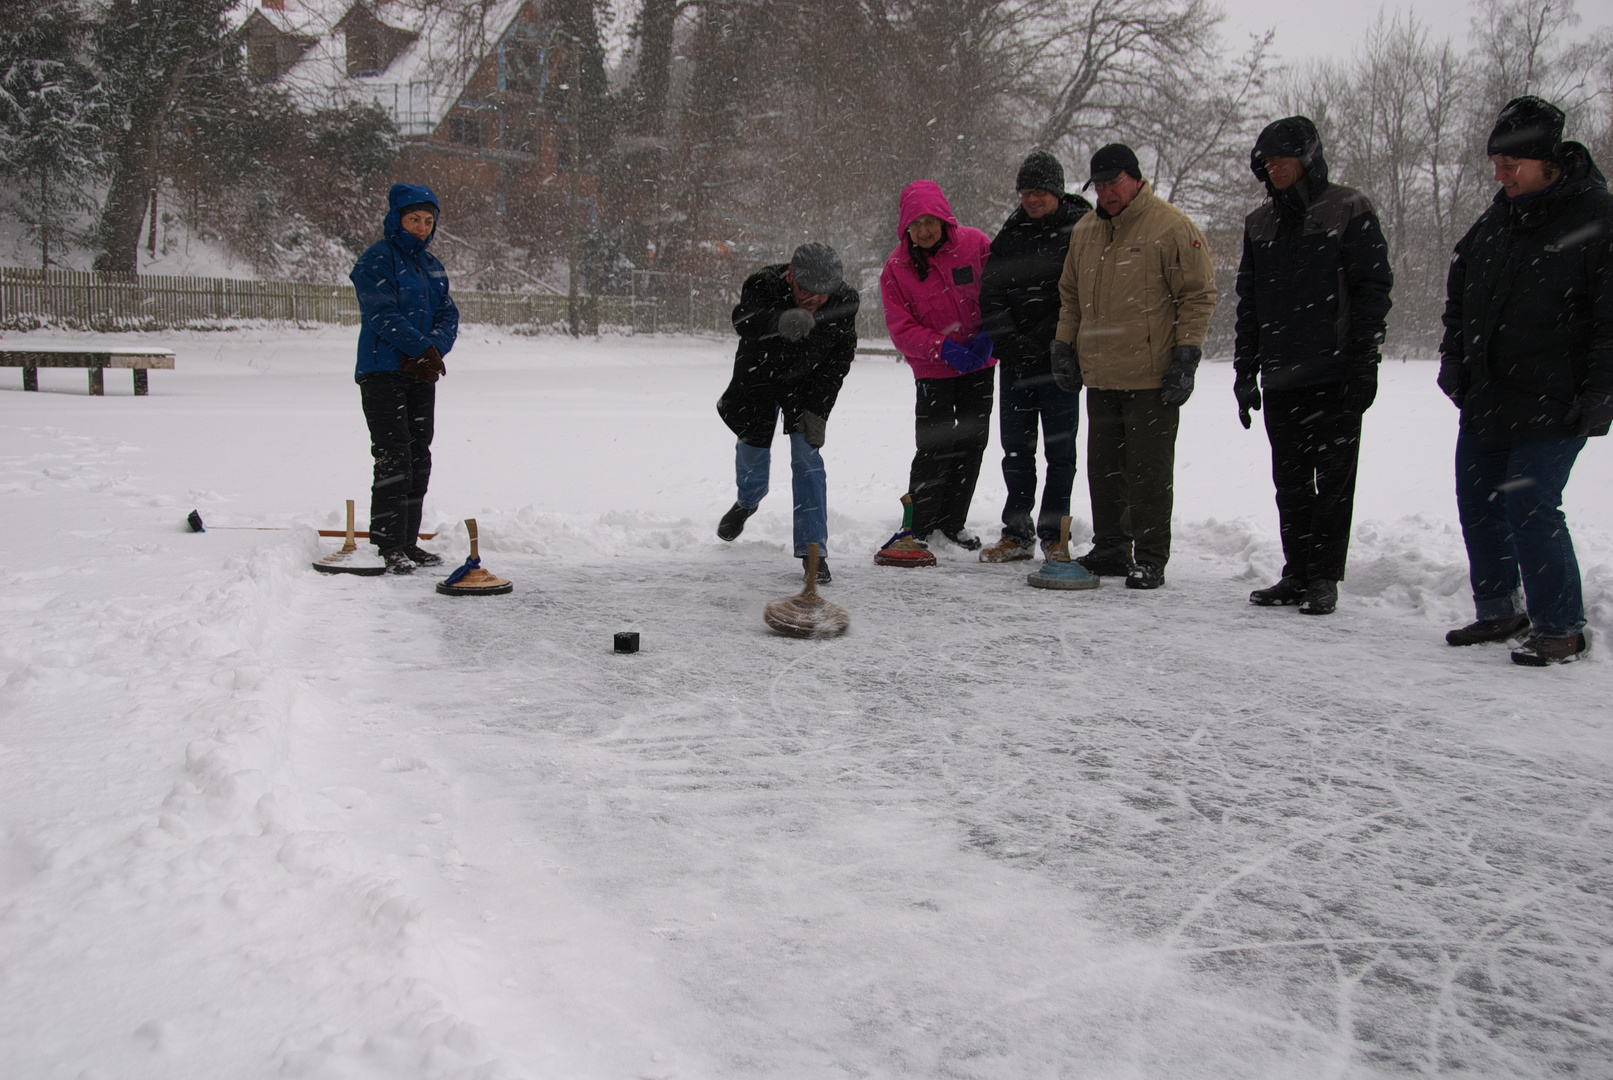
x=93 y=301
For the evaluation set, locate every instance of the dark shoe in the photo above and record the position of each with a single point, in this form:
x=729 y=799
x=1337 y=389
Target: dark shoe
x=823 y=570
x=397 y=561
x=1104 y=567
x=1144 y=575
x=1539 y=650
x=965 y=539
x=733 y=522
x=1477 y=633
x=1285 y=593
x=1321 y=597
x=421 y=557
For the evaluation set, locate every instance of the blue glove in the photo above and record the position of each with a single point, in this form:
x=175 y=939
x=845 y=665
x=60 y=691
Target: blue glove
x=962 y=358
x=970 y=357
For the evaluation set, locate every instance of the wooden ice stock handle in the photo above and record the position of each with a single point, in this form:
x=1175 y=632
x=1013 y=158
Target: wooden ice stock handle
x=470 y=527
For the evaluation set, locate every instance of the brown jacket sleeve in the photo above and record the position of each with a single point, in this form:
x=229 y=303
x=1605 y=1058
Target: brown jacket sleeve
x=1190 y=276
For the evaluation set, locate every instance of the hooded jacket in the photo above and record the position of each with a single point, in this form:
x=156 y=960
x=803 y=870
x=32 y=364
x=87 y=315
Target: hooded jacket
x=772 y=372
x=402 y=291
x=1529 y=308
x=1314 y=281
x=1019 y=300
x=1134 y=286
x=920 y=314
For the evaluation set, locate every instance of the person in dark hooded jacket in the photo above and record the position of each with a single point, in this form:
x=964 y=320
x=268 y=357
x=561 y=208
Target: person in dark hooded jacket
x=1019 y=304
x=1528 y=359
x=408 y=324
x=1313 y=293
x=797 y=325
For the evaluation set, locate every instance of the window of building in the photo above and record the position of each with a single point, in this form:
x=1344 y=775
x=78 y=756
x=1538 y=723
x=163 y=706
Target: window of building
x=465 y=130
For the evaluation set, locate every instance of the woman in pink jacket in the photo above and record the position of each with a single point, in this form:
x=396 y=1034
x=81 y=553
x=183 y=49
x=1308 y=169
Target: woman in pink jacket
x=931 y=289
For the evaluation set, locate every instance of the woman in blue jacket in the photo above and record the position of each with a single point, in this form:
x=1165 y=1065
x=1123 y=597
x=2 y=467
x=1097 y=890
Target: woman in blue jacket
x=409 y=323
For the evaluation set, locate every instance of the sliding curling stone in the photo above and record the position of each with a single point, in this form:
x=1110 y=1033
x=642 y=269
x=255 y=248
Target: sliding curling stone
x=902 y=549
x=470 y=579
x=349 y=560
x=1060 y=571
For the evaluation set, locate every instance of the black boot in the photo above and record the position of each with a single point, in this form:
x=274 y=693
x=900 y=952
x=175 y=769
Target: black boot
x=1321 y=597
x=421 y=557
x=733 y=522
x=397 y=561
x=823 y=569
x=1477 y=633
x=1285 y=593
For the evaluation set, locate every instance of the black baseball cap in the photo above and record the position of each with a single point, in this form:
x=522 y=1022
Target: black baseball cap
x=1112 y=160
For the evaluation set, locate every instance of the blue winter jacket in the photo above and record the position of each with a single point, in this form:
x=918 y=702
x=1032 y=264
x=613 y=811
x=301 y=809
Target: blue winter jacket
x=402 y=292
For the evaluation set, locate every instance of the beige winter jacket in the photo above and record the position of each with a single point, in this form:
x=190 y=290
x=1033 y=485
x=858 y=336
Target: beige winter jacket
x=1133 y=286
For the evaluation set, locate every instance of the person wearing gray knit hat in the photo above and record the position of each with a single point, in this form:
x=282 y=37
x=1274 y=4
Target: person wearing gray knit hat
x=797 y=324
x=1041 y=171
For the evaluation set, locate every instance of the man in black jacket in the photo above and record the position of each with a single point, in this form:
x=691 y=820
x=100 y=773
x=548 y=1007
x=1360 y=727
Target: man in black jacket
x=1019 y=306
x=1528 y=359
x=1313 y=293
x=797 y=324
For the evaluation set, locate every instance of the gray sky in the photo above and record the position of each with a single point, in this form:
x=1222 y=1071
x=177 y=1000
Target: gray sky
x=1308 y=28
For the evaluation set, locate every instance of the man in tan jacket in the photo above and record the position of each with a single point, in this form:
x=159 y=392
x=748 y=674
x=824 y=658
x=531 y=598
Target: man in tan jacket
x=1136 y=296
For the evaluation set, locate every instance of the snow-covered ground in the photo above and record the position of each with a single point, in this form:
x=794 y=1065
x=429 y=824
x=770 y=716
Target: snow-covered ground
x=256 y=821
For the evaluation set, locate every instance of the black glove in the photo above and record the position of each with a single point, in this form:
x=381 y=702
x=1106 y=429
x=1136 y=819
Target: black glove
x=1246 y=388
x=1591 y=410
x=1359 y=389
x=795 y=324
x=1177 y=386
x=1452 y=379
x=427 y=367
x=814 y=427
x=1066 y=366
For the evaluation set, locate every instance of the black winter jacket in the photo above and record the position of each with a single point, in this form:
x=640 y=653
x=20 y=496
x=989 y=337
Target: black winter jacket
x=1313 y=284
x=1529 y=308
x=1019 y=291
x=797 y=376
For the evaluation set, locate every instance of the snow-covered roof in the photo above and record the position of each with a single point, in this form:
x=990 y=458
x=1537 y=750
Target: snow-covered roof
x=441 y=47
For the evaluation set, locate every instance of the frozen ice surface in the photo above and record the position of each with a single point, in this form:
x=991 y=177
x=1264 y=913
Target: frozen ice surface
x=256 y=821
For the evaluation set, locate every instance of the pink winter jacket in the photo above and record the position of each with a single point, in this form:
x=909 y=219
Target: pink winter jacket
x=946 y=304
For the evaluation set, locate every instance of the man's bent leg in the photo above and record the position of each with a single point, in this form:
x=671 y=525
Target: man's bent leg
x=752 y=465
x=809 y=486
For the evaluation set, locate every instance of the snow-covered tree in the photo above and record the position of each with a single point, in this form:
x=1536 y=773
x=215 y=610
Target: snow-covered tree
x=51 y=116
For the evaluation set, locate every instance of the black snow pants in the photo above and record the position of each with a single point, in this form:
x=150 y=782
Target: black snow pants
x=952 y=423
x=1314 y=447
x=400 y=411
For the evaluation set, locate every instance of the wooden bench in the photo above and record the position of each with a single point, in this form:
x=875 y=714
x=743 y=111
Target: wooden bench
x=141 y=360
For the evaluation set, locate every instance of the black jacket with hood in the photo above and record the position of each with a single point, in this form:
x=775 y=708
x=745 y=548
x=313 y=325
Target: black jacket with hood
x=797 y=376
x=1529 y=308
x=1314 y=281
x=1019 y=291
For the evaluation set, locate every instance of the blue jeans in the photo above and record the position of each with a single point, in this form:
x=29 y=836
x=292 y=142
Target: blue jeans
x=1025 y=402
x=1509 y=499
x=752 y=464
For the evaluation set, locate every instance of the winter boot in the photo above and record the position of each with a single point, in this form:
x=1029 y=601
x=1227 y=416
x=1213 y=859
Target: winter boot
x=1096 y=564
x=733 y=522
x=421 y=557
x=1477 y=633
x=397 y=561
x=1540 y=651
x=1008 y=549
x=1321 y=597
x=1285 y=593
x=1144 y=575
x=823 y=569
x=965 y=539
